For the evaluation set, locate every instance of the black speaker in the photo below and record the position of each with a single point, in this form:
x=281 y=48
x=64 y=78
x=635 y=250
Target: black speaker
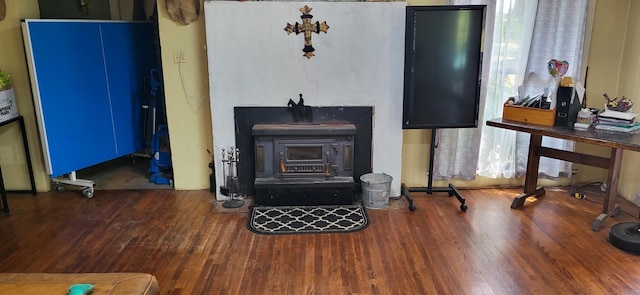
x=567 y=107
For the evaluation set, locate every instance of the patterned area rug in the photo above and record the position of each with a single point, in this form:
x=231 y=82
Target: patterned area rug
x=307 y=219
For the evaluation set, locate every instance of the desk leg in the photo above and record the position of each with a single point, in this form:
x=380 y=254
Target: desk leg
x=602 y=217
x=531 y=178
x=519 y=200
x=610 y=208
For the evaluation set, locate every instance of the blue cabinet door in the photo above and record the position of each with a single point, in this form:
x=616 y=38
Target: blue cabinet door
x=75 y=120
x=130 y=56
x=89 y=89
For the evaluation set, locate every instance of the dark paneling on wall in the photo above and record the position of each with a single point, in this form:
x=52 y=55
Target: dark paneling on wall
x=70 y=9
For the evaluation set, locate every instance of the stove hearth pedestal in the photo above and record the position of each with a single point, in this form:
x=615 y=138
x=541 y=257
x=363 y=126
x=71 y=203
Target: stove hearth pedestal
x=304 y=164
x=304 y=192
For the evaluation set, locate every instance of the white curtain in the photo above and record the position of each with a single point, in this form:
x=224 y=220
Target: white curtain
x=558 y=33
x=511 y=45
x=523 y=36
x=456 y=155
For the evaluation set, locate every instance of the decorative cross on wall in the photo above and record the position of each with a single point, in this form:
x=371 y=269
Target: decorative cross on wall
x=307 y=28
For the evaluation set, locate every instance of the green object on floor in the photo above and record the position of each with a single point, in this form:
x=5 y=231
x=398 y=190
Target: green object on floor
x=80 y=289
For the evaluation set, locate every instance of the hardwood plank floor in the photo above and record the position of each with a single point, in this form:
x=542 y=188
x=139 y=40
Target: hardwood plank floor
x=193 y=246
x=124 y=173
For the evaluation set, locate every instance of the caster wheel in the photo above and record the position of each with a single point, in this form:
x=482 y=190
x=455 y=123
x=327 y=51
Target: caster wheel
x=58 y=187
x=463 y=207
x=412 y=208
x=88 y=192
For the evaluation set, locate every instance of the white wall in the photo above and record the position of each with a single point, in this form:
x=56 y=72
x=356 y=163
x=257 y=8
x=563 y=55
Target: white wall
x=359 y=62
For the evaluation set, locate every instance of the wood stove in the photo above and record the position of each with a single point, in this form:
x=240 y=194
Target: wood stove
x=304 y=164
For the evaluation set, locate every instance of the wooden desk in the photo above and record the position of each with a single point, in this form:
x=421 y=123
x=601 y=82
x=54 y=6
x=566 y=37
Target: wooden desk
x=618 y=142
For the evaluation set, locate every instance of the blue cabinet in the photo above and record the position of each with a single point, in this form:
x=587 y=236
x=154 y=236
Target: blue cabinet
x=88 y=85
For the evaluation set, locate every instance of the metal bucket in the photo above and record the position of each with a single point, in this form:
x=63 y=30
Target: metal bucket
x=375 y=190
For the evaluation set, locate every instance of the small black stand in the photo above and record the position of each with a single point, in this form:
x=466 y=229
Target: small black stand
x=233 y=192
x=3 y=191
x=232 y=186
x=233 y=203
x=451 y=190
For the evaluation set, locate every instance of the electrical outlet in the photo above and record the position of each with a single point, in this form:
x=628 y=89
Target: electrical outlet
x=179 y=56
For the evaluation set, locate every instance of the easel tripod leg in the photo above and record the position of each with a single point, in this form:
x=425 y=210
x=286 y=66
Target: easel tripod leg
x=407 y=194
x=453 y=191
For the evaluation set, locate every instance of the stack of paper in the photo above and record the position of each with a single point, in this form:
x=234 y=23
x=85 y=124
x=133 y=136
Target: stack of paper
x=620 y=128
x=617 y=121
x=618 y=115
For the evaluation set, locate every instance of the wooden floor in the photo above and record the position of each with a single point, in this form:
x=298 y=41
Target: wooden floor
x=193 y=246
x=128 y=172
